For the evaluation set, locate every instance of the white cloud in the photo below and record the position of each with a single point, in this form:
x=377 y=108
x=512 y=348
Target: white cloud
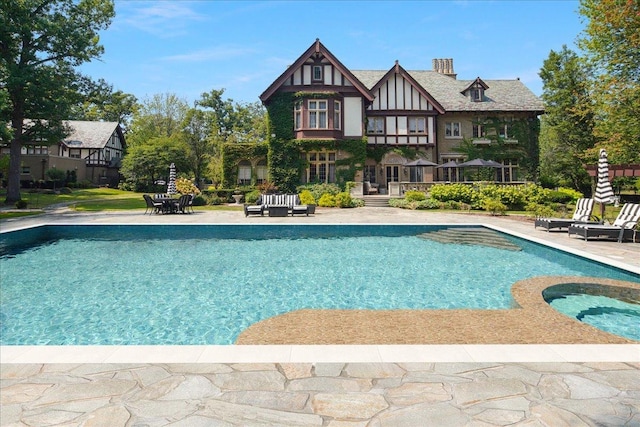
x=163 y=19
x=219 y=53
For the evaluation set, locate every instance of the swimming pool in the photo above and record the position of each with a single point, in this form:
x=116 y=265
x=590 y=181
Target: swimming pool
x=204 y=284
x=611 y=309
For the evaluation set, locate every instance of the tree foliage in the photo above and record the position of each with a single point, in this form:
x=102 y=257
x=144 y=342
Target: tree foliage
x=101 y=102
x=41 y=41
x=569 y=119
x=611 y=42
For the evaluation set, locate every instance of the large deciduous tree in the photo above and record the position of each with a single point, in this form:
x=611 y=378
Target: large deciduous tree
x=101 y=102
x=611 y=42
x=41 y=43
x=568 y=120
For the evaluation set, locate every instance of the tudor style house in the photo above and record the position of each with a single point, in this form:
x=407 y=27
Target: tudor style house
x=93 y=151
x=328 y=112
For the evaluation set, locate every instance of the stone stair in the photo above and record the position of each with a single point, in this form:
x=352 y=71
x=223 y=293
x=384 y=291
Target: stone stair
x=376 y=201
x=471 y=236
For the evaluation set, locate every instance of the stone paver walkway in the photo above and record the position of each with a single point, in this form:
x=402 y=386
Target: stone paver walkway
x=331 y=394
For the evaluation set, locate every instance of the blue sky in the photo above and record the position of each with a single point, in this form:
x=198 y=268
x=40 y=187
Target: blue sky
x=190 y=47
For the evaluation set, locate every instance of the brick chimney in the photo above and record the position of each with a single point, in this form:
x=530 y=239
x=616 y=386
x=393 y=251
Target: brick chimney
x=444 y=66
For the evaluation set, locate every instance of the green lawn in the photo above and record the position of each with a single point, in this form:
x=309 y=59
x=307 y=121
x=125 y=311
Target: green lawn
x=88 y=200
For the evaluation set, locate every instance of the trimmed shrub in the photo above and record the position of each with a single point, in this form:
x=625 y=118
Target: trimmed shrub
x=306 y=198
x=415 y=196
x=327 y=200
x=494 y=206
x=252 y=197
x=452 y=192
x=21 y=204
x=186 y=186
x=343 y=200
x=318 y=190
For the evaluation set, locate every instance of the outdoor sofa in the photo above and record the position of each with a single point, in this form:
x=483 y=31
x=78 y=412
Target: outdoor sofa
x=277 y=205
x=623 y=228
x=582 y=214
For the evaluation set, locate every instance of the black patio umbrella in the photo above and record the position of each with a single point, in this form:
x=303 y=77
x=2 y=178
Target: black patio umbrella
x=449 y=164
x=481 y=163
x=420 y=163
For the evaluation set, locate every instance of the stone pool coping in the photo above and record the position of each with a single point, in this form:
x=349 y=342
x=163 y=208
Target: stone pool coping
x=534 y=322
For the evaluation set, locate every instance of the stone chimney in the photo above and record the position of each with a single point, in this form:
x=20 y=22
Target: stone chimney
x=444 y=66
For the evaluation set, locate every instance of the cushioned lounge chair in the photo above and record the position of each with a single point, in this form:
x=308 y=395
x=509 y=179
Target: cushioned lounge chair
x=623 y=227
x=582 y=214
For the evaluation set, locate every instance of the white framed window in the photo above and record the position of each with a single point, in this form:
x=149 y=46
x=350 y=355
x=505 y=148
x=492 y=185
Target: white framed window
x=417 y=125
x=337 y=115
x=74 y=153
x=322 y=166
x=509 y=172
x=318 y=114
x=261 y=172
x=478 y=131
x=297 y=114
x=375 y=125
x=317 y=72
x=452 y=130
x=244 y=173
x=476 y=94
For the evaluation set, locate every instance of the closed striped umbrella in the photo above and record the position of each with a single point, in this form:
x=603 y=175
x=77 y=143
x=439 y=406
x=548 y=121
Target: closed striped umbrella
x=171 y=188
x=604 y=191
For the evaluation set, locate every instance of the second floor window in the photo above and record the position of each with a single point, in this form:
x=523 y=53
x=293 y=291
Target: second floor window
x=417 y=125
x=375 y=125
x=337 y=115
x=452 y=130
x=298 y=115
x=318 y=114
x=74 y=153
x=478 y=131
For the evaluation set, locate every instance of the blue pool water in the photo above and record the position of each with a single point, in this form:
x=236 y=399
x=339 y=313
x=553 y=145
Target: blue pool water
x=204 y=284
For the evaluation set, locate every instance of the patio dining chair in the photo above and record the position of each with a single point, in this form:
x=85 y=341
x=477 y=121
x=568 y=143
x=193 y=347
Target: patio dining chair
x=152 y=206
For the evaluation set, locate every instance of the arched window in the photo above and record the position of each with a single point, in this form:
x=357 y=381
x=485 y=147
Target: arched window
x=261 y=172
x=244 y=173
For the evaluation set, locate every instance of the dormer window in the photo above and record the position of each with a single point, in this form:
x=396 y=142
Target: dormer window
x=475 y=91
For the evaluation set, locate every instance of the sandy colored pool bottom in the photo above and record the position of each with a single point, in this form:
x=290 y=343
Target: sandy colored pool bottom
x=535 y=322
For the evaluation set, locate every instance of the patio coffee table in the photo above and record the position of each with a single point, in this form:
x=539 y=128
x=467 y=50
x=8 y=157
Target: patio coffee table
x=278 y=210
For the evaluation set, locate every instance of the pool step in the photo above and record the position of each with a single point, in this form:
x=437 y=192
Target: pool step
x=471 y=236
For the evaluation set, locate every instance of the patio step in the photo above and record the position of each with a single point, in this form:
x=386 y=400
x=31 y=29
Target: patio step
x=376 y=201
x=471 y=236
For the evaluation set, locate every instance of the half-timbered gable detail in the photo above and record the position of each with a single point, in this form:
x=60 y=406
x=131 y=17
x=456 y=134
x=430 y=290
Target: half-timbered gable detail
x=403 y=112
x=330 y=100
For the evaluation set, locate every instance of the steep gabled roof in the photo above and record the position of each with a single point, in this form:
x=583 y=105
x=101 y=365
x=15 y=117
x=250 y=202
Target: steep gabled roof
x=316 y=48
x=87 y=134
x=397 y=69
x=501 y=95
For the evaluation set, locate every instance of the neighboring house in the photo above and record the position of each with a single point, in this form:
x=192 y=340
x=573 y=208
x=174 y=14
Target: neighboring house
x=329 y=113
x=93 y=151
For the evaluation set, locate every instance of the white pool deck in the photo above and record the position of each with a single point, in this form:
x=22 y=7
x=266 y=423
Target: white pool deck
x=326 y=385
x=622 y=255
